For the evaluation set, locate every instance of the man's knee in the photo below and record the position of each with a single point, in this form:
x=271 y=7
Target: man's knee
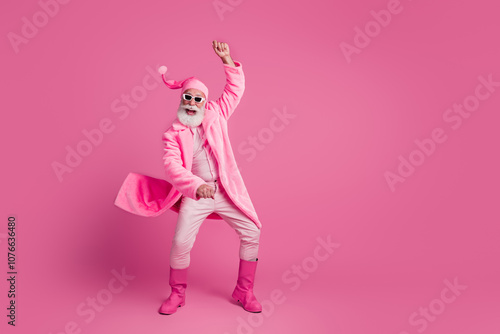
x=257 y=232
x=184 y=243
x=251 y=236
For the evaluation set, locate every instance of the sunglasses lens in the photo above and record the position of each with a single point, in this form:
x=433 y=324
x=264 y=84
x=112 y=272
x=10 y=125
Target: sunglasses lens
x=187 y=97
x=198 y=99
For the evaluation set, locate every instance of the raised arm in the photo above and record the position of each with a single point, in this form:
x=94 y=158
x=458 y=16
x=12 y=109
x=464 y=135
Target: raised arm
x=235 y=82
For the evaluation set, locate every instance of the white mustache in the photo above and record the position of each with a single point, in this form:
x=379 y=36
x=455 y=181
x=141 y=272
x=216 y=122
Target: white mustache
x=188 y=107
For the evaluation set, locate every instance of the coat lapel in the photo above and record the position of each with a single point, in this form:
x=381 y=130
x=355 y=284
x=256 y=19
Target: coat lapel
x=208 y=119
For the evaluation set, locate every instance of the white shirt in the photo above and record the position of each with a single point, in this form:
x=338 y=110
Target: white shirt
x=204 y=163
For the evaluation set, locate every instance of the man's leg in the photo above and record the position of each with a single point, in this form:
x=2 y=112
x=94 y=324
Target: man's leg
x=246 y=229
x=249 y=235
x=192 y=213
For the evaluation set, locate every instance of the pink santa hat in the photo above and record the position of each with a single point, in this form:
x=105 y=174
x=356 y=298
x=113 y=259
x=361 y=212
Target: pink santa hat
x=191 y=82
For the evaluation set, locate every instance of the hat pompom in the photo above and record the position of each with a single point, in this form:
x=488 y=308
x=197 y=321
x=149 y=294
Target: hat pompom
x=162 y=69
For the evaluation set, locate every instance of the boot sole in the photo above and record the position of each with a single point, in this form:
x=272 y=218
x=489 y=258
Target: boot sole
x=182 y=304
x=235 y=298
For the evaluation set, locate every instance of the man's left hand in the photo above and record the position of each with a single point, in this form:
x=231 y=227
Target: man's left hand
x=221 y=49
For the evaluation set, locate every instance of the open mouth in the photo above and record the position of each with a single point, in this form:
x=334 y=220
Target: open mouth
x=190 y=112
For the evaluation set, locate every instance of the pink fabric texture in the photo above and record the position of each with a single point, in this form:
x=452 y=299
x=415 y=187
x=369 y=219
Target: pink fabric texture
x=148 y=196
x=191 y=82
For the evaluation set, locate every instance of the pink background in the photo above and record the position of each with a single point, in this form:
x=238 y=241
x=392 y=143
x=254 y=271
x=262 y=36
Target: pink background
x=321 y=175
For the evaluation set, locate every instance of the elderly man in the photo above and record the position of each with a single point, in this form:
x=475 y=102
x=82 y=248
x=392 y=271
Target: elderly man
x=203 y=181
x=200 y=165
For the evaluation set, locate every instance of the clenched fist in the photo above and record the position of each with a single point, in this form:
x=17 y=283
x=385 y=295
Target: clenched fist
x=221 y=49
x=205 y=191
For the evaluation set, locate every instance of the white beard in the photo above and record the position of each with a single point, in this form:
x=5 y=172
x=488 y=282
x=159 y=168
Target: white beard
x=191 y=121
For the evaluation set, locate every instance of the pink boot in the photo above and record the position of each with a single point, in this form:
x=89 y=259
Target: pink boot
x=243 y=292
x=177 y=298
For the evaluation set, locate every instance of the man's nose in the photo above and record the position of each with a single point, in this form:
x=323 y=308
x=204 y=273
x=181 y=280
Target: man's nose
x=192 y=103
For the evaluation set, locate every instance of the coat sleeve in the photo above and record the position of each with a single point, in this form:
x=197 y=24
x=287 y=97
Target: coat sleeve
x=176 y=174
x=233 y=90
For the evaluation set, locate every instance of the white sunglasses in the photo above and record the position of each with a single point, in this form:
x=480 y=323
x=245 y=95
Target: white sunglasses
x=197 y=99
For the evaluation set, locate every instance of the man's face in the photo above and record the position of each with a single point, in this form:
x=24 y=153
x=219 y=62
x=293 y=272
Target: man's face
x=194 y=92
x=191 y=113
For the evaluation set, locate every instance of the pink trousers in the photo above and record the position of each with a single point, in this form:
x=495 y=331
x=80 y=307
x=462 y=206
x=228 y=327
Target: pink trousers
x=192 y=213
